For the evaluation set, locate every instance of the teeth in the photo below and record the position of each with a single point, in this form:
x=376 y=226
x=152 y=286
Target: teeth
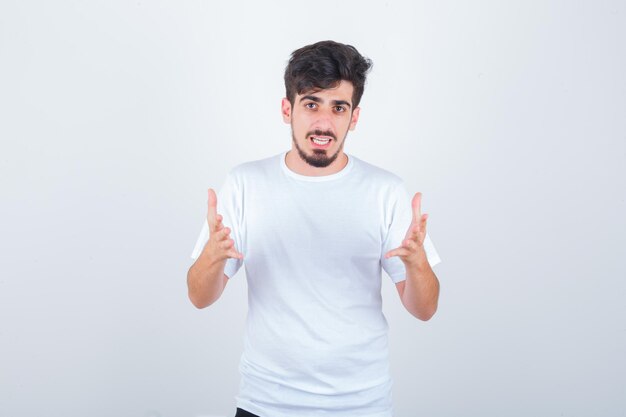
x=320 y=141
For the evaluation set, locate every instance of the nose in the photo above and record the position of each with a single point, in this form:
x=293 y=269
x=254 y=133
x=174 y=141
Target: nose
x=323 y=120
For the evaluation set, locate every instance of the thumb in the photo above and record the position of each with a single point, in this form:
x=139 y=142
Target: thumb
x=212 y=212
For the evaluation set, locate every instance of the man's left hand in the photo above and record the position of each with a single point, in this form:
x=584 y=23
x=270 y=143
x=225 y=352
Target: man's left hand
x=411 y=252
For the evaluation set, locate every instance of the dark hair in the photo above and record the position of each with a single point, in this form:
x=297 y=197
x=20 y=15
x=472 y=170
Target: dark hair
x=323 y=65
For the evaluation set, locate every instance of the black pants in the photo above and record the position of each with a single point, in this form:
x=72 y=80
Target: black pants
x=244 y=413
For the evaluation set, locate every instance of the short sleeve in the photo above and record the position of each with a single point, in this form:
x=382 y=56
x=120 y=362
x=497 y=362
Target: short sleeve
x=229 y=206
x=399 y=219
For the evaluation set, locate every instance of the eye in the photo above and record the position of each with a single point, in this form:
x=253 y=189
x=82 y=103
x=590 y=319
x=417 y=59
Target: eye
x=340 y=109
x=310 y=105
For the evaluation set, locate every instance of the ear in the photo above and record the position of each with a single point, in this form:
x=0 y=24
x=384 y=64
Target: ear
x=354 y=117
x=285 y=109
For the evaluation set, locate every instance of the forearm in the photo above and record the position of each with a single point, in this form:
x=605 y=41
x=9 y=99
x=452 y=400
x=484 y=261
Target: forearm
x=421 y=289
x=205 y=280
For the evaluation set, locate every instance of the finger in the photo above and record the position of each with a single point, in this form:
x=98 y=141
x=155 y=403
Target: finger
x=222 y=234
x=416 y=205
x=226 y=244
x=423 y=226
x=212 y=212
x=414 y=231
x=409 y=244
x=401 y=251
x=219 y=225
x=234 y=254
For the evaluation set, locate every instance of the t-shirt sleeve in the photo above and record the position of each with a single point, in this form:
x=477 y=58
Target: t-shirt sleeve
x=399 y=219
x=229 y=206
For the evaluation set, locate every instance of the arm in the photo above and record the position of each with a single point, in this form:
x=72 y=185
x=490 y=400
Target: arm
x=206 y=279
x=419 y=293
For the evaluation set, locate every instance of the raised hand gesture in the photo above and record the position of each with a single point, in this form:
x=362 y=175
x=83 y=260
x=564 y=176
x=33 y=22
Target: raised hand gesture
x=411 y=252
x=219 y=246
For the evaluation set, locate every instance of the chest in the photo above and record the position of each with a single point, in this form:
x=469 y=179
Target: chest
x=315 y=221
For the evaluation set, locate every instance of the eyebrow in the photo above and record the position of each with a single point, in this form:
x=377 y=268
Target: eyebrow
x=319 y=100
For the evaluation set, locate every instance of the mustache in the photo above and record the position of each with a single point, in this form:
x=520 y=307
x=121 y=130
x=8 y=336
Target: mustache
x=319 y=132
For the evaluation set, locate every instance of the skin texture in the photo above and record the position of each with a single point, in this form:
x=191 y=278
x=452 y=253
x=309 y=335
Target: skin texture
x=419 y=293
x=330 y=113
x=324 y=113
x=206 y=279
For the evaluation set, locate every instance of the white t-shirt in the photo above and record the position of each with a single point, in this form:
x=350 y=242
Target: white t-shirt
x=316 y=337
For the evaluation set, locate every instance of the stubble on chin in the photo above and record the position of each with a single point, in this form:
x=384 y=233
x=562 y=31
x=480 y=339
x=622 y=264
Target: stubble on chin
x=319 y=159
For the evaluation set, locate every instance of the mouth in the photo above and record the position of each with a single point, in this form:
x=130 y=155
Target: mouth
x=320 y=142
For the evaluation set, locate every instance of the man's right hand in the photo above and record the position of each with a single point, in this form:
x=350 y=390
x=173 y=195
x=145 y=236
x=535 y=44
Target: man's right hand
x=220 y=246
x=206 y=279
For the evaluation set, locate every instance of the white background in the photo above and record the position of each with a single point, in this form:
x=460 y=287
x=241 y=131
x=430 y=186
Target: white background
x=115 y=117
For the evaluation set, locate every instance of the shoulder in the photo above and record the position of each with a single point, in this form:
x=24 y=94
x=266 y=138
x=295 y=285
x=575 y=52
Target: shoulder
x=376 y=175
x=256 y=168
x=389 y=187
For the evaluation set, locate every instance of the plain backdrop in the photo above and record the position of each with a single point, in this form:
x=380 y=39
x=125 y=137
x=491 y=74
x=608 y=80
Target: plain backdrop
x=116 y=116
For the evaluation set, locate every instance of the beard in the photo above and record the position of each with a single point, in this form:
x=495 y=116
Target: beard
x=319 y=158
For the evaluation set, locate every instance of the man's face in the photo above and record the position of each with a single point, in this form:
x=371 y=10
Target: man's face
x=320 y=121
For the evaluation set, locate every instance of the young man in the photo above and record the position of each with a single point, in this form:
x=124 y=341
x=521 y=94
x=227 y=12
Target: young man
x=316 y=226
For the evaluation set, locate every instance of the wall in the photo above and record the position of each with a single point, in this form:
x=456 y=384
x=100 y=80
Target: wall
x=115 y=117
